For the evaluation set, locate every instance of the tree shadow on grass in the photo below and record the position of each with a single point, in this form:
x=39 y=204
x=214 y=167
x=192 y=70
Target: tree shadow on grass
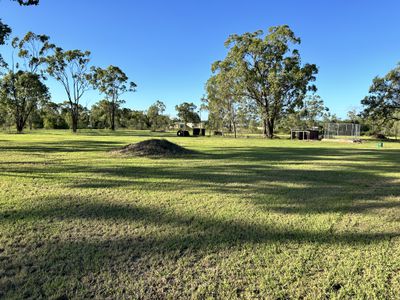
x=345 y=182
x=211 y=231
x=64 y=146
x=337 y=185
x=172 y=236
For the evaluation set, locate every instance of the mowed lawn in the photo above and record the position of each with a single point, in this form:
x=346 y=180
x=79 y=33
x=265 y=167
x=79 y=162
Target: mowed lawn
x=246 y=218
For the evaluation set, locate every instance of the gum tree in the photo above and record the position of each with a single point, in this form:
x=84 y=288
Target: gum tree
x=223 y=100
x=267 y=71
x=71 y=69
x=113 y=83
x=33 y=50
x=383 y=102
x=21 y=92
x=22 y=89
x=187 y=112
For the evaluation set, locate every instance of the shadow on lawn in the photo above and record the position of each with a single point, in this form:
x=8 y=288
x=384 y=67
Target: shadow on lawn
x=64 y=146
x=204 y=232
x=255 y=174
x=169 y=237
x=344 y=177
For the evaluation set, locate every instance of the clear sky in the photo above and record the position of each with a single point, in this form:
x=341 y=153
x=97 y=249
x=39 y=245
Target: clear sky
x=167 y=47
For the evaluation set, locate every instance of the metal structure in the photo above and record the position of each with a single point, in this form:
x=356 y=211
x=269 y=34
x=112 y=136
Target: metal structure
x=304 y=134
x=198 y=129
x=342 y=131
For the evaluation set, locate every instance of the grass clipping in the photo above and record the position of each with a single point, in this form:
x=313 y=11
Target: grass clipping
x=153 y=148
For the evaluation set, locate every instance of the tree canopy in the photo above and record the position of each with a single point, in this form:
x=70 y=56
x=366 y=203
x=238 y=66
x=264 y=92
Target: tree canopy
x=187 y=112
x=21 y=92
x=71 y=69
x=265 y=69
x=383 y=102
x=112 y=82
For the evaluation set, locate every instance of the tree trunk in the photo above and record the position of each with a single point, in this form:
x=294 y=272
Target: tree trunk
x=20 y=126
x=234 y=128
x=270 y=129
x=75 y=118
x=265 y=128
x=113 y=117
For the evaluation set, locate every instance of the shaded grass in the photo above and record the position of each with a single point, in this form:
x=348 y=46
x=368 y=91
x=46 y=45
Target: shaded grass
x=240 y=219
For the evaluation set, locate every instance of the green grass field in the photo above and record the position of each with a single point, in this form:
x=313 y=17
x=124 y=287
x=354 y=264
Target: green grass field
x=246 y=218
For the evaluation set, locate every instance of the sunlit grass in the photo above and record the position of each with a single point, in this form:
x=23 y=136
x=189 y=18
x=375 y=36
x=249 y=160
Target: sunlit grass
x=246 y=218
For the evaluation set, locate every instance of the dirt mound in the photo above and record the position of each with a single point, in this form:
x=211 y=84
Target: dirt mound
x=154 y=147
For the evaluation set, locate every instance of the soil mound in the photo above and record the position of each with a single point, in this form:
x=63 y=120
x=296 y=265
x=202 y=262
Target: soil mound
x=154 y=147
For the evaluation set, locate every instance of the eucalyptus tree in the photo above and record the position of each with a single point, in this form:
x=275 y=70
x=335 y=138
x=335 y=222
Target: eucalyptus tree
x=100 y=114
x=71 y=69
x=32 y=49
x=113 y=83
x=266 y=70
x=155 y=118
x=383 y=102
x=23 y=81
x=187 y=112
x=313 y=110
x=21 y=92
x=222 y=100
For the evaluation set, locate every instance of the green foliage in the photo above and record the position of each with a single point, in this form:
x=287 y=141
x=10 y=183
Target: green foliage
x=222 y=101
x=22 y=92
x=187 y=113
x=383 y=102
x=33 y=49
x=265 y=69
x=112 y=82
x=313 y=113
x=100 y=115
x=53 y=117
x=71 y=69
x=155 y=117
x=139 y=120
x=5 y=32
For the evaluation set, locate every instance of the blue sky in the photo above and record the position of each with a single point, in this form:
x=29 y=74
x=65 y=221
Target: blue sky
x=167 y=47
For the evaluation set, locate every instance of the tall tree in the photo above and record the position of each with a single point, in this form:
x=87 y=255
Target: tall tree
x=100 y=114
x=21 y=92
x=33 y=49
x=187 y=113
x=52 y=117
x=222 y=99
x=265 y=69
x=383 y=102
x=23 y=80
x=313 y=110
x=112 y=82
x=155 y=117
x=71 y=69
